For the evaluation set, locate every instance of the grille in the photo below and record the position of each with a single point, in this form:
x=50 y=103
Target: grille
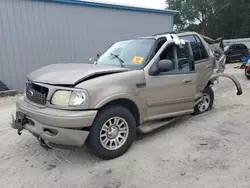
x=36 y=93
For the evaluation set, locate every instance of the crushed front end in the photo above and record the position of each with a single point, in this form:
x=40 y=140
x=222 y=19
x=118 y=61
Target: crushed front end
x=58 y=125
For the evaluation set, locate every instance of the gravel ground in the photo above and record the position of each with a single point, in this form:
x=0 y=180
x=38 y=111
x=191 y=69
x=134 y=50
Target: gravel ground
x=209 y=150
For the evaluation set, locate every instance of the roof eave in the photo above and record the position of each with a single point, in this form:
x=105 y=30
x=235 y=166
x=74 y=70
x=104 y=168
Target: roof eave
x=112 y=6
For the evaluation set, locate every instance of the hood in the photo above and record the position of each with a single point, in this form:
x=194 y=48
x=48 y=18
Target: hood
x=71 y=74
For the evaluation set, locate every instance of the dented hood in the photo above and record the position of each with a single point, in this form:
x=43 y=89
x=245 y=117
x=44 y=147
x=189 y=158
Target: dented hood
x=70 y=74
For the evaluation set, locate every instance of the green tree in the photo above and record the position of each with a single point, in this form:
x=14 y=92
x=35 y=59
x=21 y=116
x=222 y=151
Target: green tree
x=192 y=13
x=215 y=18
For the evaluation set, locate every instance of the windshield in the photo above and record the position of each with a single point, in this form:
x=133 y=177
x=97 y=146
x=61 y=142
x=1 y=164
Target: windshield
x=129 y=53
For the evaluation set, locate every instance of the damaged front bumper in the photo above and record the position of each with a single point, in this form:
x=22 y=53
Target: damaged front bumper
x=64 y=128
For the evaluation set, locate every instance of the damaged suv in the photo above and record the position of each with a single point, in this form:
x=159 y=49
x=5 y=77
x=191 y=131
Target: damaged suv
x=136 y=85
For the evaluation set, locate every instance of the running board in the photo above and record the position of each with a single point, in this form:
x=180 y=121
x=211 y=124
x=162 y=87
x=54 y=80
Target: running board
x=153 y=125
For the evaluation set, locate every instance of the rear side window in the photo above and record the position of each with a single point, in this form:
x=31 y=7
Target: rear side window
x=238 y=47
x=194 y=45
x=202 y=48
x=184 y=61
x=198 y=48
x=244 y=47
x=241 y=47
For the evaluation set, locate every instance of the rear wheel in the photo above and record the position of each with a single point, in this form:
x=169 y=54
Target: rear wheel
x=112 y=133
x=207 y=101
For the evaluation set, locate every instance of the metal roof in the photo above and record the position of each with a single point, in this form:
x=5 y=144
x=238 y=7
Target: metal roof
x=112 y=6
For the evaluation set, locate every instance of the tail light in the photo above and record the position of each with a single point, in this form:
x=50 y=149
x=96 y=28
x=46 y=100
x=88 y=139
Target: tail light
x=247 y=67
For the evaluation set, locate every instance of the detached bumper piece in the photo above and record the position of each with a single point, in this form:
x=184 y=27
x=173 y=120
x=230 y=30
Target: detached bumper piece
x=48 y=134
x=231 y=77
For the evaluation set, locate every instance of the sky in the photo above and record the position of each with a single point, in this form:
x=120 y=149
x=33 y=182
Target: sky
x=156 y=4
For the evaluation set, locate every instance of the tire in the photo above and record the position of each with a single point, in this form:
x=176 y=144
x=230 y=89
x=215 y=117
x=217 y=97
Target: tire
x=96 y=143
x=248 y=77
x=207 y=103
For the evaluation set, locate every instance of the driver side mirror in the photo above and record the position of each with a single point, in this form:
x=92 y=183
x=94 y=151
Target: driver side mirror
x=164 y=65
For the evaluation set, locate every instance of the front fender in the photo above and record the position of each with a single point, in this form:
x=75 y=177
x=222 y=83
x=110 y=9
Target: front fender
x=115 y=97
x=140 y=102
x=236 y=82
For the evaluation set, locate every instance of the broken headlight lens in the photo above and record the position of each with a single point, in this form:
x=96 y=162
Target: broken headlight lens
x=77 y=98
x=69 y=98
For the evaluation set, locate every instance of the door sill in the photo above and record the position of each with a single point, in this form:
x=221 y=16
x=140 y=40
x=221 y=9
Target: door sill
x=169 y=115
x=153 y=125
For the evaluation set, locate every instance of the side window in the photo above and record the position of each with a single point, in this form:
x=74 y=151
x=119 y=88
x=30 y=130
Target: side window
x=202 y=48
x=184 y=63
x=159 y=45
x=232 y=47
x=194 y=45
x=242 y=47
x=179 y=57
x=238 y=47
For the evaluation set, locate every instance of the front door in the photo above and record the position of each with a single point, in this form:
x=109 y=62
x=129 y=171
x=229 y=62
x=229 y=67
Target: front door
x=171 y=93
x=232 y=52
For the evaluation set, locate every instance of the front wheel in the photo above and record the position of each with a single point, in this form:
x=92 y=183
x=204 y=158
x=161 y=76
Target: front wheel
x=207 y=101
x=112 y=133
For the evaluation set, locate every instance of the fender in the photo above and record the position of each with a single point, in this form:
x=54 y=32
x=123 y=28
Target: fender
x=115 y=97
x=140 y=103
x=236 y=82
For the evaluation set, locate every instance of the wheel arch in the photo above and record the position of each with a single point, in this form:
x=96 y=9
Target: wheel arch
x=127 y=103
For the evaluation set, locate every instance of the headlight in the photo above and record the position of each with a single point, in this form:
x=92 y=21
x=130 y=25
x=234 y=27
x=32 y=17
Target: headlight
x=61 y=98
x=77 y=98
x=69 y=98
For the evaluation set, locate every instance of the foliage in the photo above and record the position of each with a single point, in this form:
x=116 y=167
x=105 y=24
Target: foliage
x=215 y=18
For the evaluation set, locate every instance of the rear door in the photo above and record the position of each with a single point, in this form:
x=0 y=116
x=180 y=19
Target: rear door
x=243 y=50
x=203 y=64
x=239 y=51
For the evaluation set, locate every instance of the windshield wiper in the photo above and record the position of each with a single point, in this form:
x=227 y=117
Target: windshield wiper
x=120 y=60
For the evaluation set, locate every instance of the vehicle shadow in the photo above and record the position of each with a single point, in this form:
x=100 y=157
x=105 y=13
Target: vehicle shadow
x=84 y=156
x=61 y=156
x=177 y=122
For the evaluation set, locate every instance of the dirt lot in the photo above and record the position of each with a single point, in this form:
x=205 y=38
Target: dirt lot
x=210 y=150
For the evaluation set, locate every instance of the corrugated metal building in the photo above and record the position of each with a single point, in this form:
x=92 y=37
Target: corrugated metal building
x=35 y=33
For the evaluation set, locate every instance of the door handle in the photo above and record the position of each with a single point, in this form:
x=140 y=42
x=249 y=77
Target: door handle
x=187 y=81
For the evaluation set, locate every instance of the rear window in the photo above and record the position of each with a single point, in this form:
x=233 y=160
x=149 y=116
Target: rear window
x=241 y=47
